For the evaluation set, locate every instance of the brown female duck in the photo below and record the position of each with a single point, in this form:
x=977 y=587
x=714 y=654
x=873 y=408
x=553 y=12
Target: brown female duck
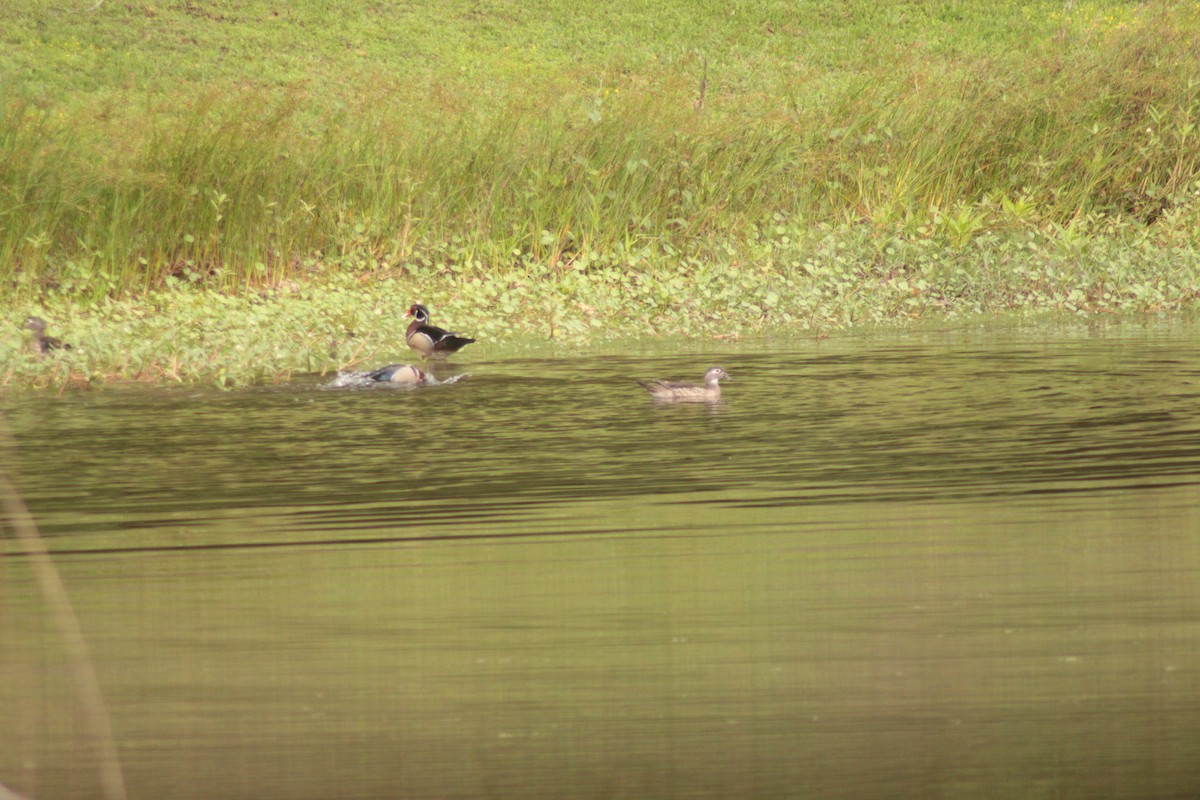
x=41 y=344
x=670 y=390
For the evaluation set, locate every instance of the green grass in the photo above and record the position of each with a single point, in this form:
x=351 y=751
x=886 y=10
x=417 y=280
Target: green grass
x=792 y=281
x=247 y=144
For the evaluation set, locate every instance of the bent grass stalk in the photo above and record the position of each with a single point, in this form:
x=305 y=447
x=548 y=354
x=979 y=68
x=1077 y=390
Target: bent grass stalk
x=20 y=521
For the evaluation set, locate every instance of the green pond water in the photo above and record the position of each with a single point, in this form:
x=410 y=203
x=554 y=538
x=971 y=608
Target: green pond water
x=956 y=564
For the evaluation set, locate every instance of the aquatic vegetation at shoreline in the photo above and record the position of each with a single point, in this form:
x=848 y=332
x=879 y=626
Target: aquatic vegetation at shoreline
x=792 y=281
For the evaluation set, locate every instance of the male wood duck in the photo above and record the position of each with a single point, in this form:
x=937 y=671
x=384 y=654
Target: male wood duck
x=41 y=343
x=670 y=390
x=393 y=374
x=397 y=373
x=428 y=340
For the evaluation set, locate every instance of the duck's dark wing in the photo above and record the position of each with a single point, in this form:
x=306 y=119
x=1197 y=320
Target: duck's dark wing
x=48 y=343
x=387 y=374
x=443 y=340
x=383 y=373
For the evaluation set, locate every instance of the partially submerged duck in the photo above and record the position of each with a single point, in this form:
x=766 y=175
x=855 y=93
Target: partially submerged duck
x=405 y=374
x=41 y=344
x=429 y=340
x=392 y=375
x=671 y=390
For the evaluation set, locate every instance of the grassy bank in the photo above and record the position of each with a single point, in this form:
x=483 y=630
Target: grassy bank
x=797 y=281
x=583 y=154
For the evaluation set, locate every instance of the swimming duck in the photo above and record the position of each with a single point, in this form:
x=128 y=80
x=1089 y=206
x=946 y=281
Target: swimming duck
x=408 y=375
x=428 y=340
x=394 y=374
x=41 y=343
x=397 y=373
x=669 y=390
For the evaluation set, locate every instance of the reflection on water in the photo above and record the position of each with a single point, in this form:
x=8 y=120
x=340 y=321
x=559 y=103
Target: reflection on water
x=956 y=564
